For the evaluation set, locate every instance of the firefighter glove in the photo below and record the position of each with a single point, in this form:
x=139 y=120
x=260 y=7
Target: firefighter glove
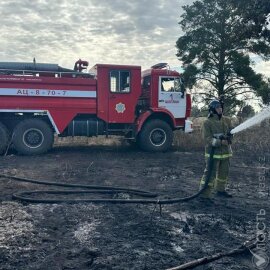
x=216 y=142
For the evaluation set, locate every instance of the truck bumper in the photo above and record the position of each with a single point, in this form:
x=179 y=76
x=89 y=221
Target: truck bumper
x=188 y=126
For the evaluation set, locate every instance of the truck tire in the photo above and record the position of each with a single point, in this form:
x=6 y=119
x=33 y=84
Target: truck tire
x=4 y=138
x=156 y=136
x=33 y=137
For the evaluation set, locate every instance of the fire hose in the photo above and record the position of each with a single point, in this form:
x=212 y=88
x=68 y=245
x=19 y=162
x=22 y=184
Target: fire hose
x=25 y=196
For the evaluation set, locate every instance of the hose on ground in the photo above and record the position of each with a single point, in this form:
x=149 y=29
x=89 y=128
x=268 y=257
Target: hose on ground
x=25 y=196
x=248 y=245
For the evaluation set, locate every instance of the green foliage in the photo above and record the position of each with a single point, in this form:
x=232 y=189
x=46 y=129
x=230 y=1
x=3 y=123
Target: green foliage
x=263 y=91
x=199 y=112
x=219 y=36
x=246 y=112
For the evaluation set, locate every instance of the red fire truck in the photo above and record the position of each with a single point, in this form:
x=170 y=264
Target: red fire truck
x=38 y=100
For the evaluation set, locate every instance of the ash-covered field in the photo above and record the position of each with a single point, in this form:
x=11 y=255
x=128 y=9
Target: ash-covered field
x=131 y=236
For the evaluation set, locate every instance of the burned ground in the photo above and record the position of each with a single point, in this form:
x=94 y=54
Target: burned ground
x=131 y=236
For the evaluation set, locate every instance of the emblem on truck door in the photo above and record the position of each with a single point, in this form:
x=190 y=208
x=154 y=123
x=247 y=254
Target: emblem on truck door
x=120 y=107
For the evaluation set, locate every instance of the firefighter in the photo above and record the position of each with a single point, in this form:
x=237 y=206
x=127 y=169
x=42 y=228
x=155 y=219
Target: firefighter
x=215 y=124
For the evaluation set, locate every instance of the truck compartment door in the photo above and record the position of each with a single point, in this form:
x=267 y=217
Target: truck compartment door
x=119 y=88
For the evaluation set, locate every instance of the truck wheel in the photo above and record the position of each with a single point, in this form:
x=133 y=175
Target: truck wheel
x=156 y=136
x=32 y=137
x=4 y=138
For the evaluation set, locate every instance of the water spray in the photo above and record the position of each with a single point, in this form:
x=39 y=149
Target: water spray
x=256 y=119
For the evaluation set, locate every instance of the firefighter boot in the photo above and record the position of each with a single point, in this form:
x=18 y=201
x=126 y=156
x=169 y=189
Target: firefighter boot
x=224 y=194
x=208 y=192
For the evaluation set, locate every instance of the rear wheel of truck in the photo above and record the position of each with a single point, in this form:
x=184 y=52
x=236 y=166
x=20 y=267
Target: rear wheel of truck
x=33 y=137
x=156 y=136
x=4 y=138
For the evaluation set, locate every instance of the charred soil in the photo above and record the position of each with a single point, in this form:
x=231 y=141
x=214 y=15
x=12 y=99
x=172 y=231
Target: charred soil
x=130 y=236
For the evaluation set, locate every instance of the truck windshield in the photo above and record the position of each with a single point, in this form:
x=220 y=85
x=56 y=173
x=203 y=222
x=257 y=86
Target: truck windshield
x=172 y=85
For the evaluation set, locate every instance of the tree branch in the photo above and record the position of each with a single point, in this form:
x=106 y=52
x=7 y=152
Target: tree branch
x=210 y=81
x=237 y=94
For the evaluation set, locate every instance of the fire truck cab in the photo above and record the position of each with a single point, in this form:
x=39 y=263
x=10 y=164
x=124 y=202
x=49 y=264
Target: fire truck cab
x=40 y=100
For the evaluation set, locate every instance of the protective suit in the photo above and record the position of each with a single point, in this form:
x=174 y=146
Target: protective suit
x=216 y=124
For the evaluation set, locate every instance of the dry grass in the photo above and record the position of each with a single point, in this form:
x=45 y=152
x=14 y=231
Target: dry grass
x=188 y=141
x=255 y=139
x=101 y=140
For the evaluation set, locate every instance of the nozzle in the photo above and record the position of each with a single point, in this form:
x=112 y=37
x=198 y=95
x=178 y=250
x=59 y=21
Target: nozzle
x=229 y=133
x=221 y=136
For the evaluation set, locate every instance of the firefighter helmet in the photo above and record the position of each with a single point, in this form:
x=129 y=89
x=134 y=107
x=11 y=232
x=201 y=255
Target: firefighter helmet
x=213 y=105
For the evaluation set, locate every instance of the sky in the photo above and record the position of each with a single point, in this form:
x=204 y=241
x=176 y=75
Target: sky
x=142 y=32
